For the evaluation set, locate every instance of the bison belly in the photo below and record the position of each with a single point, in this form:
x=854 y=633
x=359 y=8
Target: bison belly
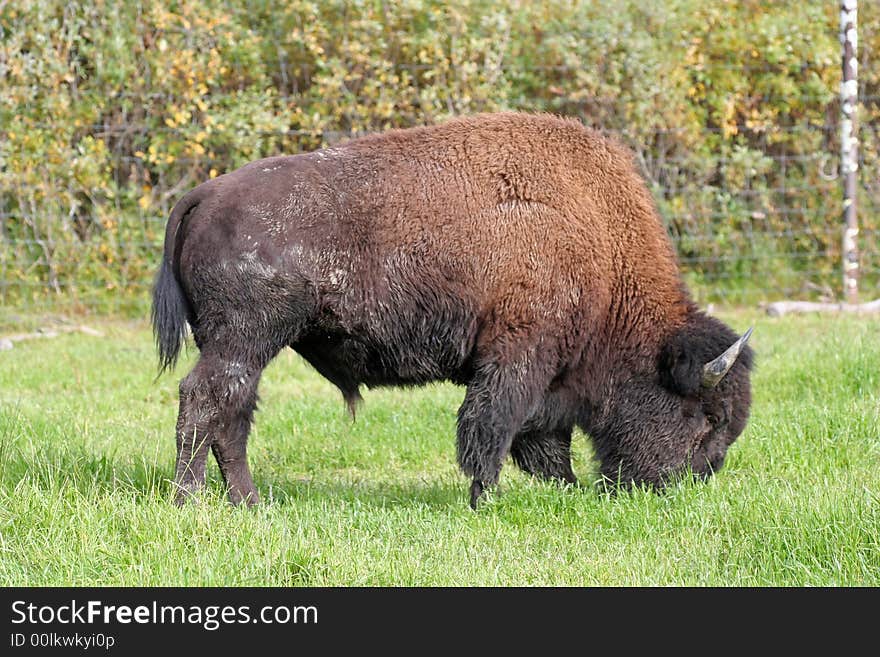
x=422 y=337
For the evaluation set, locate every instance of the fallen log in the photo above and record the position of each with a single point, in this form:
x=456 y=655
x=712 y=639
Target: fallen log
x=8 y=342
x=780 y=308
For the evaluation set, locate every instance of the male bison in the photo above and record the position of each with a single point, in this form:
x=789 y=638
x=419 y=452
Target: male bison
x=520 y=256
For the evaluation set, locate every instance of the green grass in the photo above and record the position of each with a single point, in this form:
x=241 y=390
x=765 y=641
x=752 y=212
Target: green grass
x=87 y=449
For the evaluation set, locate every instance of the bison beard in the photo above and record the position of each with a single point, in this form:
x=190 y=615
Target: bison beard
x=518 y=255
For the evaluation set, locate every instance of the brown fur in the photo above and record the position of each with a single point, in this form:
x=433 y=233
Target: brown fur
x=519 y=255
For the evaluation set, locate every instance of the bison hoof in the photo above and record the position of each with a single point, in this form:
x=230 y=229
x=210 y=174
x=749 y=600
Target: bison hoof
x=477 y=489
x=184 y=497
x=249 y=498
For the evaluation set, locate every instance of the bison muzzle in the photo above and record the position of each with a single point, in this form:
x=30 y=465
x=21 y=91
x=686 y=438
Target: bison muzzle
x=518 y=255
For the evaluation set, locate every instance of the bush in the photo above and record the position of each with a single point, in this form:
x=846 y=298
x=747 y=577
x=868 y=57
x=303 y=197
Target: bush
x=111 y=111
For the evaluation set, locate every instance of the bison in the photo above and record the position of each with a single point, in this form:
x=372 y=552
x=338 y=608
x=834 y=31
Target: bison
x=518 y=255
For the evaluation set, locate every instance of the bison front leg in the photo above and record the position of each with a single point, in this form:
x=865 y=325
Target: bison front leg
x=497 y=401
x=545 y=453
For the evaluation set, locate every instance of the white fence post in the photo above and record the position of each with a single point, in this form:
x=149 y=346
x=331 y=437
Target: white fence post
x=849 y=145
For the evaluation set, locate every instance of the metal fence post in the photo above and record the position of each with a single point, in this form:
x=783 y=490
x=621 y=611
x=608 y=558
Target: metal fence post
x=849 y=144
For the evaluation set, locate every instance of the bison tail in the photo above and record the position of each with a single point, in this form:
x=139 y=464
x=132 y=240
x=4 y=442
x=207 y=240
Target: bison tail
x=169 y=316
x=171 y=310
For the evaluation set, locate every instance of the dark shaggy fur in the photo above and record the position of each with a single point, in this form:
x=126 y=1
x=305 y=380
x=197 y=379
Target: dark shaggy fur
x=520 y=256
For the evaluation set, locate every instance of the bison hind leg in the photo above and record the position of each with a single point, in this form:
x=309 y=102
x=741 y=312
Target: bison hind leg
x=217 y=402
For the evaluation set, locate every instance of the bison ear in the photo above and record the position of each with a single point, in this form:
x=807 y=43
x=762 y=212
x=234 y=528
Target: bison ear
x=680 y=367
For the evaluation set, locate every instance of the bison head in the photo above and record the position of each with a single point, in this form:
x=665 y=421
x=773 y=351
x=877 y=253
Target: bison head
x=682 y=414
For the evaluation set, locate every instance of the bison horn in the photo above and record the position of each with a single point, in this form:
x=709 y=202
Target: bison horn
x=714 y=370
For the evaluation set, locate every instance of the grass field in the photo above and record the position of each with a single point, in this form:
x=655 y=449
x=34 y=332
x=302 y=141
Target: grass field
x=87 y=449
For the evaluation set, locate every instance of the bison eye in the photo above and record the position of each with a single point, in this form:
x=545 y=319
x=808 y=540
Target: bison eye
x=690 y=408
x=717 y=421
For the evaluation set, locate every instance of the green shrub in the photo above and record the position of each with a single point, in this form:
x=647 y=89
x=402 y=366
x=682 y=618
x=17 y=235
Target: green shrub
x=110 y=111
